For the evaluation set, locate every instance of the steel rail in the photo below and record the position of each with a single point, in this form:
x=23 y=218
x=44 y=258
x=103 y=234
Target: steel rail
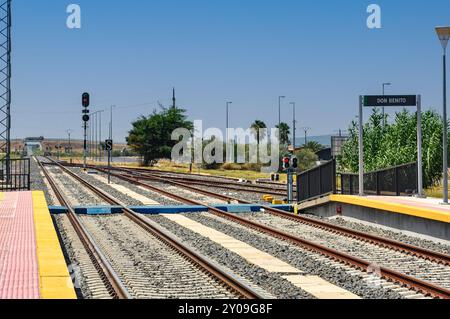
x=358 y=263
x=229 y=280
x=377 y=240
x=228 y=184
x=104 y=268
x=242 y=188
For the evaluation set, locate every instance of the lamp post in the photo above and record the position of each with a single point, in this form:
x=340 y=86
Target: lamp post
x=226 y=134
x=111 y=123
x=279 y=110
x=294 y=122
x=384 y=86
x=444 y=35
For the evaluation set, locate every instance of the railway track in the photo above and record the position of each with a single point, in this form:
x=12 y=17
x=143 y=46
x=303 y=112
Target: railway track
x=108 y=276
x=376 y=240
x=224 y=183
x=185 y=273
x=400 y=275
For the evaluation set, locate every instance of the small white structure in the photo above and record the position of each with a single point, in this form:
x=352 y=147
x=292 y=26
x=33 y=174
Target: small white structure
x=33 y=144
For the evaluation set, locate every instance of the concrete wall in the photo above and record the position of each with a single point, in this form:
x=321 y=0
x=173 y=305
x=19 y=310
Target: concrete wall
x=395 y=220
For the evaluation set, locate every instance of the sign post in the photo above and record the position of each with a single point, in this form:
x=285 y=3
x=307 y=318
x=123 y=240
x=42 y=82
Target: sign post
x=109 y=148
x=386 y=101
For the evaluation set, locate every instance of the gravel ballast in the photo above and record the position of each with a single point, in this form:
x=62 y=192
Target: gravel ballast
x=273 y=283
x=310 y=263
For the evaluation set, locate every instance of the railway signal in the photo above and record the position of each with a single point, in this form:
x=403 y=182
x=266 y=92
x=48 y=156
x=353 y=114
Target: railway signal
x=85 y=100
x=286 y=163
x=294 y=163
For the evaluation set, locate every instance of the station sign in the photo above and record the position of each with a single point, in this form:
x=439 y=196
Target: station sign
x=389 y=100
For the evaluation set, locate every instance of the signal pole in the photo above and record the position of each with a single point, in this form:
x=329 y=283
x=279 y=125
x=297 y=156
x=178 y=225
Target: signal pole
x=85 y=101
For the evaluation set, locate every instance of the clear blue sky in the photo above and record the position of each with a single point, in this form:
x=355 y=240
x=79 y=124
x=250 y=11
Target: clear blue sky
x=319 y=54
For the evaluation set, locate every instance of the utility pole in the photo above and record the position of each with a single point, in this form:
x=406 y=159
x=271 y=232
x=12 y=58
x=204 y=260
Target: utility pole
x=174 y=100
x=306 y=130
x=69 y=132
x=5 y=86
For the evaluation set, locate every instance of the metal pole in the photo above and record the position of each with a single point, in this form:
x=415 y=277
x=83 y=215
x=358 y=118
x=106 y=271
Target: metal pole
x=290 y=183
x=111 y=130
x=85 y=146
x=445 y=146
x=419 y=147
x=96 y=136
x=279 y=112
x=294 y=124
x=384 y=124
x=361 y=148
x=100 y=137
x=7 y=86
x=229 y=144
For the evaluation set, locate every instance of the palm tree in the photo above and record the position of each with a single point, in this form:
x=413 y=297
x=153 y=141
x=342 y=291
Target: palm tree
x=256 y=128
x=284 y=132
x=257 y=131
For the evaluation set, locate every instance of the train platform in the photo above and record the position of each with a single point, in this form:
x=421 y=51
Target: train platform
x=32 y=264
x=426 y=216
x=427 y=208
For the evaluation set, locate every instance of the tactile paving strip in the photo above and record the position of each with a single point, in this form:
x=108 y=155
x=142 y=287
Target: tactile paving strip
x=19 y=273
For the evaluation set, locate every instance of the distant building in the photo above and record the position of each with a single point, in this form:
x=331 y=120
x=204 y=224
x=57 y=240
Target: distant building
x=33 y=145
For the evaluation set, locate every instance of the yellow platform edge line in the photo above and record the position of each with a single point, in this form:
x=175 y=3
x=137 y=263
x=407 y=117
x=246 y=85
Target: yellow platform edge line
x=403 y=209
x=2 y=196
x=54 y=278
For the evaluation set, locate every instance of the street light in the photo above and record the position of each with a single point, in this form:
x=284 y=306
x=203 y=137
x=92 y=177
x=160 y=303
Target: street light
x=294 y=124
x=111 y=123
x=228 y=126
x=444 y=35
x=279 y=110
x=384 y=85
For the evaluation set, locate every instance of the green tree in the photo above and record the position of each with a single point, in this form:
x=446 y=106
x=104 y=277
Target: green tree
x=307 y=159
x=150 y=136
x=284 y=131
x=396 y=144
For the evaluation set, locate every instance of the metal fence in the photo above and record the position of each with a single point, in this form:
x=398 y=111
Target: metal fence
x=317 y=182
x=15 y=175
x=395 y=181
